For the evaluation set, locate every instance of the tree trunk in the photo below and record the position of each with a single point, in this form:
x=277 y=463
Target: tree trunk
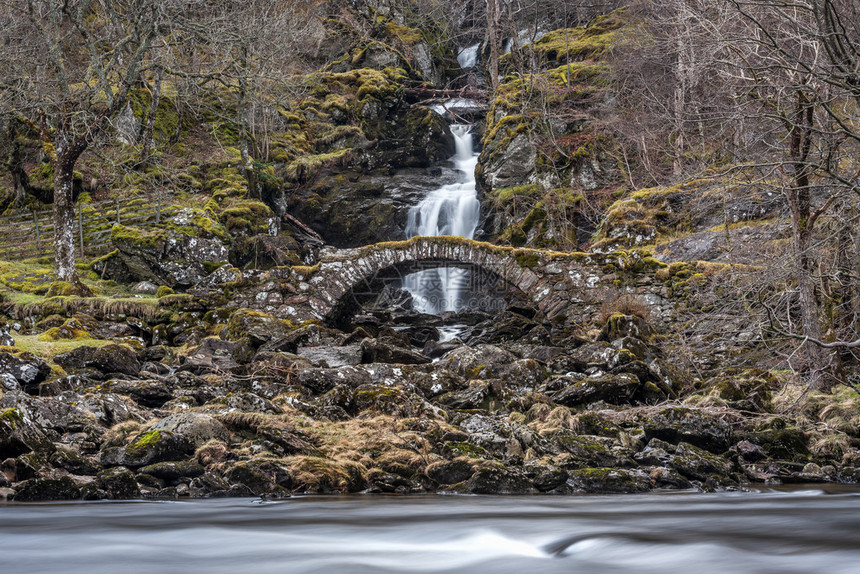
x=493 y=19
x=64 y=220
x=799 y=199
x=245 y=143
x=15 y=164
x=149 y=128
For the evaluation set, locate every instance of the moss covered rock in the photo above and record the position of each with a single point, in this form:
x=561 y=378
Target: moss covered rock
x=47 y=489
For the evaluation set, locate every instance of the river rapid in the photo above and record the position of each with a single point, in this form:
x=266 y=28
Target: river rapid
x=763 y=532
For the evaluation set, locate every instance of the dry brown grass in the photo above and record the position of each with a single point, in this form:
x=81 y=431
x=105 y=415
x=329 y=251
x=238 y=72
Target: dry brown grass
x=625 y=304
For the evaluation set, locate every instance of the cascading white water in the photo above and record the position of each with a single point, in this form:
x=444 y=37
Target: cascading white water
x=450 y=210
x=468 y=57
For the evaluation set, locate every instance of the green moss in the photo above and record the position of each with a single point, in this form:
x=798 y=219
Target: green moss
x=11 y=416
x=466 y=449
x=506 y=194
x=149 y=239
x=70 y=330
x=143 y=443
x=527 y=259
x=163 y=291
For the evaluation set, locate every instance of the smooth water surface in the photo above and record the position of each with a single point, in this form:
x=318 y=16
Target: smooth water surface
x=784 y=533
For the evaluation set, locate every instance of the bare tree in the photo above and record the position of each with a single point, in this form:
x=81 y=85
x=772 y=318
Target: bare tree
x=67 y=68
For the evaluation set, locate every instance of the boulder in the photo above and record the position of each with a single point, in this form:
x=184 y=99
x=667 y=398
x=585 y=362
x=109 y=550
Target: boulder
x=147 y=393
x=375 y=351
x=613 y=389
x=609 y=480
x=172 y=471
x=118 y=484
x=179 y=255
x=27 y=369
x=194 y=428
x=114 y=358
x=679 y=424
x=698 y=464
x=495 y=478
x=450 y=471
x=212 y=355
x=147 y=448
x=47 y=489
x=20 y=435
x=480 y=362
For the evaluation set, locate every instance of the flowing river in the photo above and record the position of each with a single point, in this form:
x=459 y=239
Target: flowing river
x=765 y=532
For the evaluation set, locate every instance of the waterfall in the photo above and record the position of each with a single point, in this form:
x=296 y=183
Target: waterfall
x=450 y=210
x=468 y=57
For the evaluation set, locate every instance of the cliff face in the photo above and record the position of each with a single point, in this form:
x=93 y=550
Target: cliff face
x=547 y=167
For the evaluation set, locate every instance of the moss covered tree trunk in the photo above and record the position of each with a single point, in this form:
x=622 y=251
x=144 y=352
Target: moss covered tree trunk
x=64 y=218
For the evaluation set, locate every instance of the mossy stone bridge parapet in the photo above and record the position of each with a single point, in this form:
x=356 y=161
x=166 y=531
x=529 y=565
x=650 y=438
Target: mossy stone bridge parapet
x=573 y=285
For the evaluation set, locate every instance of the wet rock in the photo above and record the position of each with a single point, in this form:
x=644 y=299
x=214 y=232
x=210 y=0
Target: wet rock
x=213 y=355
x=260 y=478
x=471 y=397
x=588 y=451
x=480 y=362
x=698 y=464
x=594 y=424
x=147 y=448
x=663 y=477
x=550 y=479
x=74 y=462
x=375 y=351
x=525 y=374
x=116 y=359
x=613 y=389
x=118 y=484
x=600 y=355
x=656 y=453
x=781 y=443
x=498 y=479
x=20 y=435
x=173 y=471
x=609 y=480
x=451 y=471
x=259 y=328
x=193 y=428
x=678 y=424
x=145 y=288
x=77 y=358
x=47 y=489
x=505 y=326
x=52 y=416
x=749 y=451
x=27 y=369
x=147 y=393
x=332 y=357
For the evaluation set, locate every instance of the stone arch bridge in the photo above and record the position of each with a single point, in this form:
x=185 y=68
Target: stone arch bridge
x=572 y=285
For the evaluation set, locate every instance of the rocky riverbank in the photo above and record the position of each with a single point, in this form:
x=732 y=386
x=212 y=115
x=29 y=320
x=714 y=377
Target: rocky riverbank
x=271 y=408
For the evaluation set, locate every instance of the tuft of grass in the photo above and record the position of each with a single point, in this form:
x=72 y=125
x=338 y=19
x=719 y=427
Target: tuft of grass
x=49 y=349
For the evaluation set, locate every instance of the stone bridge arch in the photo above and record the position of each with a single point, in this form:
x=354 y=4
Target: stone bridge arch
x=554 y=281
